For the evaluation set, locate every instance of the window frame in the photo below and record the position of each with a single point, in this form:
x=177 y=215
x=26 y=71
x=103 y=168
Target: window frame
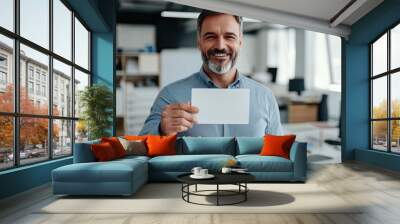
x=388 y=74
x=16 y=114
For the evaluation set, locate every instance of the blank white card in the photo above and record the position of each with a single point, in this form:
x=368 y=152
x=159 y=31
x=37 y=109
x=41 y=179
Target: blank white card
x=222 y=106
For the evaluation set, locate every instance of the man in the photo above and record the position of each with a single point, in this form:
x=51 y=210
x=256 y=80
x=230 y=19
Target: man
x=219 y=39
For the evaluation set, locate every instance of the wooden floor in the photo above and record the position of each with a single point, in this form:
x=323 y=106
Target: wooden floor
x=377 y=188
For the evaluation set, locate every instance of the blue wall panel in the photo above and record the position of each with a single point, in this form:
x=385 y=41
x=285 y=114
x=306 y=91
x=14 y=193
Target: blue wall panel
x=356 y=90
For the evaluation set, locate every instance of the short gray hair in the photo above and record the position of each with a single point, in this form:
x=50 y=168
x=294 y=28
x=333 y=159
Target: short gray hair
x=206 y=13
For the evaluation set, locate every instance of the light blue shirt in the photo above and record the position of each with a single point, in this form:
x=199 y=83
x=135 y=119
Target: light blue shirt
x=264 y=111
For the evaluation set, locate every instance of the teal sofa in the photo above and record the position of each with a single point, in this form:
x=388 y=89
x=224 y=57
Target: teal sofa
x=125 y=176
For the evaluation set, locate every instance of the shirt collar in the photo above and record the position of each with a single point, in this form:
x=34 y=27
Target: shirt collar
x=204 y=77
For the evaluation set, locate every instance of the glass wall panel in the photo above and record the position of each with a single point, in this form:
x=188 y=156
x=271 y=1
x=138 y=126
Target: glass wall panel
x=395 y=47
x=6 y=142
x=81 y=82
x=379 y=98
x=6 y=74
x=33 y=139
x=395 y=95
x=379 y=56
x=34 y=21
x=395 y=136
x=62 y=138
x=81 y=131
x=7 y=14
x=379 y=135
x=62 y=89
x=62 y=29
x=34 y=78
x=81 y=45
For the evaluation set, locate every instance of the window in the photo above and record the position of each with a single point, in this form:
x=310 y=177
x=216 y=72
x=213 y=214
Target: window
x=44 y=91
x=30 y=72
x=30 y=87
x=385 y=94
x=3 y=61
x=3 y=78
x=46 y=129
x=3 y=72
x=37 y=89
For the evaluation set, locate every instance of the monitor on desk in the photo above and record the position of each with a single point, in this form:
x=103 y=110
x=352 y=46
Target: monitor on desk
x=296 y=85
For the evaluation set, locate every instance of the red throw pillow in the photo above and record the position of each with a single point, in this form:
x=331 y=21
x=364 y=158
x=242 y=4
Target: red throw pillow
x=275 y=145
x=103 y=152
x=116 y=145
x=135 y=137
x=161 y=145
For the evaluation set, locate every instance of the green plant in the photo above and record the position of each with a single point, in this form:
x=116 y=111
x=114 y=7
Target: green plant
x=96 y=103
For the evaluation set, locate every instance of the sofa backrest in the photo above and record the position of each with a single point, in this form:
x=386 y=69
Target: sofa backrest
x=83 y=152
x=249 y=145
x=206 y=145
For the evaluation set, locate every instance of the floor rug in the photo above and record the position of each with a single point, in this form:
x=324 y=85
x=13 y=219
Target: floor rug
x=167 y=198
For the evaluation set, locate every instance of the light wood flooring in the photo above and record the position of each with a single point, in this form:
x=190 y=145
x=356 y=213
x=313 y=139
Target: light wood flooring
x=377 y=188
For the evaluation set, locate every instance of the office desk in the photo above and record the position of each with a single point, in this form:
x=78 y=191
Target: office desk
x=302 y=111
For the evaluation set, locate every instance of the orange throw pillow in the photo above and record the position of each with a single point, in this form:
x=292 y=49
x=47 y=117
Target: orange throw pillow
x=135 y=137
x=161 y=145
x=116 y=145
x=275 y=145
x=103 y=152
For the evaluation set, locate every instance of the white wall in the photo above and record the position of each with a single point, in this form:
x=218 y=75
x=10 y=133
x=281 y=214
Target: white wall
x=247 y=56
x=178 y=63
x=131 y=37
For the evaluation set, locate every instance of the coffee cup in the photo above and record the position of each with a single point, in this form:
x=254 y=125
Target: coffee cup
x=203 y=172
x=196 y=171
x=226 y=170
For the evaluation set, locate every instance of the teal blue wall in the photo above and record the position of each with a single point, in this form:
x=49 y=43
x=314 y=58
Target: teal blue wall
x=355 y=86
x=100 y=16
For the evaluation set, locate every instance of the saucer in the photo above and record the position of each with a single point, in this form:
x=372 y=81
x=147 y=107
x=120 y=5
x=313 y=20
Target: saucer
x=208 y=176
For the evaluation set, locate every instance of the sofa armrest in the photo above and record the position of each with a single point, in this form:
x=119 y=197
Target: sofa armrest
x=83 y=152
x=298 y=155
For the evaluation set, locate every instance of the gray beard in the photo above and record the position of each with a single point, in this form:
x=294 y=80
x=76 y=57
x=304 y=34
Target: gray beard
x=216 y=68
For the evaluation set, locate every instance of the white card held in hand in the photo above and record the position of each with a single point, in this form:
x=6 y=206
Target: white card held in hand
x=222 y=106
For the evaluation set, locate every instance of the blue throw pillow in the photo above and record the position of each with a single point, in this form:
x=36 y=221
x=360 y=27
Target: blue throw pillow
x=249 y=145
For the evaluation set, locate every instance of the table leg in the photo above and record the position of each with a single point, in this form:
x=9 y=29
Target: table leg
x=245 y=191
x=196 y=188
x=217 y=194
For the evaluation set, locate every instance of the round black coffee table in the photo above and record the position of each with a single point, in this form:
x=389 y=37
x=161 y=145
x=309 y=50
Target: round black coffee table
x=238 y=179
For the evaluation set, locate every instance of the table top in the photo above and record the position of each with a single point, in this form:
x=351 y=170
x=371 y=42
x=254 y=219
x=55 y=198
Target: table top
x=220 y=178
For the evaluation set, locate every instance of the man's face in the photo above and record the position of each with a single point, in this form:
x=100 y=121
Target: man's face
x=219 y=42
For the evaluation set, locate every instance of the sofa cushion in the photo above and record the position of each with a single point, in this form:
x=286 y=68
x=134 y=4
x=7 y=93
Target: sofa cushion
x=208 y=145
x=116 y=145
x=185 y=163
x=134 y=147
x=103 y=152
x=249 y=145
x=161 y=145
x=257 y=163
x=111 y=171
x=277 y=145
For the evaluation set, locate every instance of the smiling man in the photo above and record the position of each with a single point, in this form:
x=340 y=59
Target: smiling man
x=219 y=38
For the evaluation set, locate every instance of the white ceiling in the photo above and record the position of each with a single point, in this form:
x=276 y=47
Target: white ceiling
x=320 y=9
x=314 y=15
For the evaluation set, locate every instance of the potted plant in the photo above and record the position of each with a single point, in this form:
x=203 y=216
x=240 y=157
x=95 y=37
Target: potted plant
x=96 y=104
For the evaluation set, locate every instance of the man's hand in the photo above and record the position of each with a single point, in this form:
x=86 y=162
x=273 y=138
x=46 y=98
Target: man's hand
x=178 y=118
